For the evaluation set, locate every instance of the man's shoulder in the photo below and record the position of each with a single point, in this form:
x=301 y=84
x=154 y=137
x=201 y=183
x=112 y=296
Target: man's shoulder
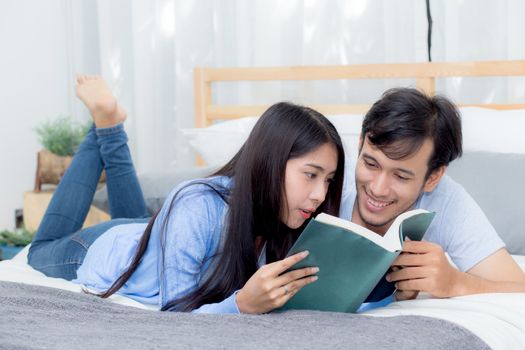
x=460 y=225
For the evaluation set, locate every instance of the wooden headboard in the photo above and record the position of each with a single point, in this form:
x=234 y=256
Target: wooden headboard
x=425 y=75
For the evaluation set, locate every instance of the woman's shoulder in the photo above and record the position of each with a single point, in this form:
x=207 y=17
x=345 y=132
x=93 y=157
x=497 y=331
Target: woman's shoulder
x=196 y=193
x=208 y=186
x=200 y=203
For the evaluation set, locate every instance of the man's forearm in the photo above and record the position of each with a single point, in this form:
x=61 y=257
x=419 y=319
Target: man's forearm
x=470 y=284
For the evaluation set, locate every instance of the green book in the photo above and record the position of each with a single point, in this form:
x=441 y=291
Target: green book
x=351 y=259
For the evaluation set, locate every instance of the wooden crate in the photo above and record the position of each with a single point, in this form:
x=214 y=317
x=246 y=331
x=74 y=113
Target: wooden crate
x=35 y=205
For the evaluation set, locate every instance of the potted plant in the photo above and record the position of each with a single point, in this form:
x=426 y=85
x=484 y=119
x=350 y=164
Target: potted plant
x=60 y=139
x=11 y=242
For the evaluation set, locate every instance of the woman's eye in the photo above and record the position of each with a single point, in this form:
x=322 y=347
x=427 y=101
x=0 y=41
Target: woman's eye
x=310 y=175
x=330 y=180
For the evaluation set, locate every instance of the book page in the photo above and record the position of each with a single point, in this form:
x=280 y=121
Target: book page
x=359 y=230
x=393 y=232
x=390 y=241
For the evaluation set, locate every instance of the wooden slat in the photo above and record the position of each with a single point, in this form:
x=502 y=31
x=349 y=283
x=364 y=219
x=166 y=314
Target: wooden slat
x=496 y=106
x=202 y=92
x=368 y=71
x=218 y=112
x=222 y=112
x=427 y=85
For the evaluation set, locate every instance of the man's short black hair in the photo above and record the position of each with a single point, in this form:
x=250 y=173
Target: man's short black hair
x=400 y=121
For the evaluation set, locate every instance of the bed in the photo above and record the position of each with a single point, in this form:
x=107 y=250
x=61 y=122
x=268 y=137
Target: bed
x=41 y=312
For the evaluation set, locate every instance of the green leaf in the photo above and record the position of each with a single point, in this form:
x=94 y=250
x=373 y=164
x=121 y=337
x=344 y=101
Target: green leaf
x=62 y=136
x=18 y=238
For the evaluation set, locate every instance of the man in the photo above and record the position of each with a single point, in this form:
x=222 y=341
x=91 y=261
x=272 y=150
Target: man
x=407 y=141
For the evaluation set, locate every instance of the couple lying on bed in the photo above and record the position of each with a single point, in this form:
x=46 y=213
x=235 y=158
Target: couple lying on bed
x=219 y=244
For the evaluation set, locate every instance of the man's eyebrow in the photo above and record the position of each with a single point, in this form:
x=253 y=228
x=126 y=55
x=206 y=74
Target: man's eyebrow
x=318 y=167
x=405 y=171
x=369 y=157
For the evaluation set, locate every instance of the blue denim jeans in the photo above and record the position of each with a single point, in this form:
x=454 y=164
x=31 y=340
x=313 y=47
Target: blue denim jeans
x=60 y=243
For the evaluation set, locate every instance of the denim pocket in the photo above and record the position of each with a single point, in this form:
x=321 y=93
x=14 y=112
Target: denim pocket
x=87 y=236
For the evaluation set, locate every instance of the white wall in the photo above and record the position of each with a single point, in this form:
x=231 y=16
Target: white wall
x=36 y=84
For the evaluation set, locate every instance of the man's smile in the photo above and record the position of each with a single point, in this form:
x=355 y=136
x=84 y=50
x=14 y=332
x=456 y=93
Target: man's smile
x=375 y=204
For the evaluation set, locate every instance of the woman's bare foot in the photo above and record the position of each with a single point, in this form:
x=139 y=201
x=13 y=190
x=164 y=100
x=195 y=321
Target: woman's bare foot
x=97 y=97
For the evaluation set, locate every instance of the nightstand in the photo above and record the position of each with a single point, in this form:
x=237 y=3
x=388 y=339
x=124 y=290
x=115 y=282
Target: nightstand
x=35 y=205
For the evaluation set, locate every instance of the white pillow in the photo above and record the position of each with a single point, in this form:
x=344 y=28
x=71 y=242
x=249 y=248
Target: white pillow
x=483 y=130
x=349 y=128
x=499 y=131
x=218 y=143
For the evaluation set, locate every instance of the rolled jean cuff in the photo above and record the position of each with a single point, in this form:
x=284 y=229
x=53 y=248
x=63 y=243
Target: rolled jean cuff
x=110 y=130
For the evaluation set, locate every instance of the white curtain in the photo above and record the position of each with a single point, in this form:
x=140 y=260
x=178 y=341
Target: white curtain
x=480 y=30
x=147 y=50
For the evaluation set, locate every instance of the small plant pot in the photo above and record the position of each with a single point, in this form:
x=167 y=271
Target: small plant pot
x=50 y=169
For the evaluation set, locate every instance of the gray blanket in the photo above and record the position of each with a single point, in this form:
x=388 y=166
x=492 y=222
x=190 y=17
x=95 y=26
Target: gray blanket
x=33 y=317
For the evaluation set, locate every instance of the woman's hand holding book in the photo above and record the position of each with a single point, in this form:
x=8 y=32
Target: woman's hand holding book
x=270 y=288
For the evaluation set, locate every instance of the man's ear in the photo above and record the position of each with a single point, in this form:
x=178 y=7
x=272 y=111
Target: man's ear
x=432 y=181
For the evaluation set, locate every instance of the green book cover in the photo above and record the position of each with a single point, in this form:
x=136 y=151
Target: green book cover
x=351 y=259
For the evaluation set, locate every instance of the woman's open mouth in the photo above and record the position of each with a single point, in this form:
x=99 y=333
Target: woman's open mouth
x=306 y=213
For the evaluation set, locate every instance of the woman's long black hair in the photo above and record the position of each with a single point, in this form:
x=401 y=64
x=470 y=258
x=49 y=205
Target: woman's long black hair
x=255 y=202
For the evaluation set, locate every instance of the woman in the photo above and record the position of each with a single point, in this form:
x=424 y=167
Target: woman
x=202 y=250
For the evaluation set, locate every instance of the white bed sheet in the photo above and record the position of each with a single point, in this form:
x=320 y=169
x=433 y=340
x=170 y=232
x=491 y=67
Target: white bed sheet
x=496 y=318
x=17 y=270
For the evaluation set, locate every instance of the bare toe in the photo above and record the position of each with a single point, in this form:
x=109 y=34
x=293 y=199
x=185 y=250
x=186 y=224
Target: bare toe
x=97 y=97
x=80 y=78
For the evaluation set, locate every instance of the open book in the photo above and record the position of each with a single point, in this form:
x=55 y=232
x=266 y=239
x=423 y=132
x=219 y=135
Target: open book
x=351 y=259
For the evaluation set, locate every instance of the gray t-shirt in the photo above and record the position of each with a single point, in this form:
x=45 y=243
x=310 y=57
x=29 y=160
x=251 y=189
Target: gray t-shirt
x=460 y=227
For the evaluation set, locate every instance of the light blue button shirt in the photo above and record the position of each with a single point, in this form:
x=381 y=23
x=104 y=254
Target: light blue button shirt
x=194 y=235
